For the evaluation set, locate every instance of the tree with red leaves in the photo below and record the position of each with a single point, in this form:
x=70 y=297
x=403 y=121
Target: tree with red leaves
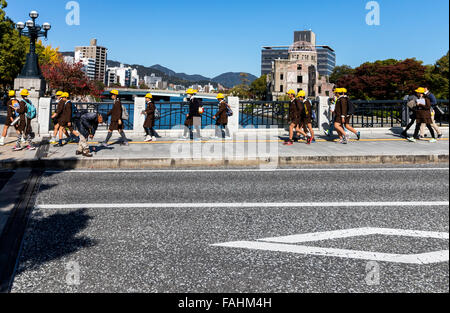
x=69 y=78
x=384 y=80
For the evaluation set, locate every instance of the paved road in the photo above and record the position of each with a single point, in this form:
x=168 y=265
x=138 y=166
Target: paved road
x=177 y=231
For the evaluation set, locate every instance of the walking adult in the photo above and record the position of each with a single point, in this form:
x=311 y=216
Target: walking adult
x=149 y=122
x=88 y=125
x=433 y=109
x=116 y=120
x=221 y=117
x=10 y=114
x=423 y=115
x=194 y=117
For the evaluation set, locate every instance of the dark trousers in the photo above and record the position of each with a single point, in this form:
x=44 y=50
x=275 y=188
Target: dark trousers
x=430 y=128
x=411 y=123
x=150 y=131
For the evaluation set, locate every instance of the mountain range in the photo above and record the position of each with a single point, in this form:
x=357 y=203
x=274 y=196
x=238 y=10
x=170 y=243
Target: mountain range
x=227 y=80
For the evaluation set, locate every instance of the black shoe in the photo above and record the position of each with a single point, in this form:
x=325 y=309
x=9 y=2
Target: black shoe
x=87 y=154
x=439 y=136
x=78 y=153
x=404 y=135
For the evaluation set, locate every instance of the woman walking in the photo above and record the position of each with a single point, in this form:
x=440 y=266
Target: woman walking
x=423 y=115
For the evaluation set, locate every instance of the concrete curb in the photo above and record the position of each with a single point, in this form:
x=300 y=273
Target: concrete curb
x=129 y=163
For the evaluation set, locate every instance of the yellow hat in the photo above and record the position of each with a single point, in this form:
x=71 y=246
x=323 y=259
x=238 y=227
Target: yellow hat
x=337 y=90
x=343 y=90
x=291 y=92
x=220 y=96
x=65 y=95
x=301 y=94
x=191 y=91
x=24 y=93
x=114 y=92
x=11 y=93
x=149 y=95
x=420 y=90
x=59 y=93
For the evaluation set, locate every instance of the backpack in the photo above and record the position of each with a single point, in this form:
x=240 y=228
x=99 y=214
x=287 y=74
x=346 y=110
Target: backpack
x=31 y=110
x=351 y=108
x=125 y=115
x=157 y=114
x=229 y=111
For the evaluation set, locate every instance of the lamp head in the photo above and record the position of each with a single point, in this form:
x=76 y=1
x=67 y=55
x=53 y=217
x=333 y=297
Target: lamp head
x=34 y=14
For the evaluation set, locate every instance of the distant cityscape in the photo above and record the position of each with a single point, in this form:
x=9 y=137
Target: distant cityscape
x=304 y=65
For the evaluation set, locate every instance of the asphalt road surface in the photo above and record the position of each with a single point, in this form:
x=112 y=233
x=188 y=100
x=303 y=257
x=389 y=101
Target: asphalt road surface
x=363 y=229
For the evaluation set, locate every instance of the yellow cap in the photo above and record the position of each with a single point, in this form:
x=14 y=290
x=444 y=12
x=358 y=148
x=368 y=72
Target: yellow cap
x=343 y=90
x=220 y=96
x=149 y=95
x=420 y=90
x=24 y=92
x=11 y=93
x=114 y=92
x=301 y=94
x=59 y=93
x=291 y=92
x=65 y=95
x=191 y=91
x=337 y=90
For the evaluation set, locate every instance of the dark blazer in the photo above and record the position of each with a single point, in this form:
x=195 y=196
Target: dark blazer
x=294 y=111
x=116 y=111
x=88 y=124
x=194 y=105
x=423 y=112
x=150 y=118
x=221 y=116
x=342 y=107
x=64 y=112
x=22 y=111
x=10 y=113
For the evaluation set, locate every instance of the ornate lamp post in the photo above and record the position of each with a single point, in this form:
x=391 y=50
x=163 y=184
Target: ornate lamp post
x=34 y=31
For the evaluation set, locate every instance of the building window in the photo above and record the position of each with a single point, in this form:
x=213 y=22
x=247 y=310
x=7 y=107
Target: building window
x=299 y=67
x=300 y=79
x=281 y=88
x=281 y=76
x=320 y=90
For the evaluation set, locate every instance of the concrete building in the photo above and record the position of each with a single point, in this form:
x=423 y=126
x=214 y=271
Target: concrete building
x=99 y=54
x=326 y=56
x=326 y=60
x=298 y=72
x=124 y=76
x=89 y=64
x=153 y=81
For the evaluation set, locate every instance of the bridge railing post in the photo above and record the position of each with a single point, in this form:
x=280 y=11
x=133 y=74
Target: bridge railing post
x=43 y=116
x=139 y=106
x=233 y=121
x=323 y=119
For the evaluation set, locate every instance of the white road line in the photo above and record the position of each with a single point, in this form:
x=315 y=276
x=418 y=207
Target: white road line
x=424 y=258
x=255 y=170
x=347 y=233
x=241 y=205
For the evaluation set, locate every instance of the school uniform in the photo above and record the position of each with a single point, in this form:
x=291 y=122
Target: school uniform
x=306 y=117
x=222 y=120
x=64 y=113
x=88 y=125
x=294 y=112
x=423 y=113
x=150 y=112
x=10 y=113
x=22 y=125
x=194 y=118
x=342 y=110
x=116 y=115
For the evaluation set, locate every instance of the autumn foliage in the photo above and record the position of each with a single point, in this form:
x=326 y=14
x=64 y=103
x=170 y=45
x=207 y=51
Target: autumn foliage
x=70 y=78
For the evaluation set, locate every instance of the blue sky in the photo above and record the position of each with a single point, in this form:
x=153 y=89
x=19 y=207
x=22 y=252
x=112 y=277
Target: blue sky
x=216 y=36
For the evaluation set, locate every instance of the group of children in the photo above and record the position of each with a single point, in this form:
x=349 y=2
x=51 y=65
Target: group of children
x=19 y=115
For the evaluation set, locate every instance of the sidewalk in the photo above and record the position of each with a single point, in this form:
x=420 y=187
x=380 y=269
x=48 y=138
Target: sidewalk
x=245 y=150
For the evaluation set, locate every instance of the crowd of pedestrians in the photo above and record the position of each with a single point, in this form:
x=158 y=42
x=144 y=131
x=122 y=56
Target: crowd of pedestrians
x=72 y=124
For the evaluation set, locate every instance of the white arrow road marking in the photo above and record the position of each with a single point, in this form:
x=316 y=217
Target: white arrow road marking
x=288 y=244
x=425 y=258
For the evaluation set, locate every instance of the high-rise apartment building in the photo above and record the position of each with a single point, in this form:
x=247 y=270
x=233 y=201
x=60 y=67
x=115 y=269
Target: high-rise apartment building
x=99 y=54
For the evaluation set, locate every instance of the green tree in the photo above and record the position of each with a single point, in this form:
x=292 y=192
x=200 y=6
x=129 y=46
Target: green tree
x=340 y=71
x=13 y=49
x=437 y=77
x=258 y=88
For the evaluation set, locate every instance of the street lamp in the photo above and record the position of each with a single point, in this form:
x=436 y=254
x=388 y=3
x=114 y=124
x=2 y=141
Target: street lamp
x=34 y=31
